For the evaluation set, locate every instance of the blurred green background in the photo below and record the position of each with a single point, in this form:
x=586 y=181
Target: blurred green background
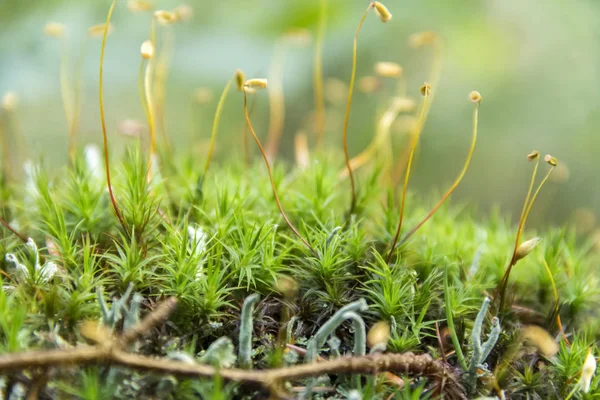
x=535 y=62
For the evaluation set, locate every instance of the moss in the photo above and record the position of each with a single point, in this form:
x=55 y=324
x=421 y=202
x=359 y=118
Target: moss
x=219 y=238
x=239 y=246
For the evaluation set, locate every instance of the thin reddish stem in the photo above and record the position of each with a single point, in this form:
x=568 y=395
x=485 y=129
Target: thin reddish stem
x=260 y=147
x=456 y=182
x=13 y=230
x=407 y=174
x=524 y=216
x=348 y=107
x=102 y=118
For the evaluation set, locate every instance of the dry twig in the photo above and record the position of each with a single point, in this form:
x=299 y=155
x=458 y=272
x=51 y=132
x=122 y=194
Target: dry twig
x=111 y=352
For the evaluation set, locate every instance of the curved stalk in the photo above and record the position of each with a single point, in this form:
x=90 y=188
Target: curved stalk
x=348 y=106
x=524 y=215
x=415 y=141
x=318 y=74
x=215 y=127
x=103 y=119
x=456 y=182
x=260 y=147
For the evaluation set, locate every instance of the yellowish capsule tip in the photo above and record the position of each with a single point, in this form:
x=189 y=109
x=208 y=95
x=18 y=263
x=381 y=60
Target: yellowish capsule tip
x=475 y=97
x=240 y=77
x=526 y=248
x=165 y=17
x=147 y=49
x=138 y=6
x=533 y=155
x=382 y=12
x=256 y=84
x=54 y=29
x=426 y=89
x=551 y=160
x=388 y=69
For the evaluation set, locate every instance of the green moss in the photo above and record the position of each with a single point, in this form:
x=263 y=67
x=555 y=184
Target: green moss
x=211 y=254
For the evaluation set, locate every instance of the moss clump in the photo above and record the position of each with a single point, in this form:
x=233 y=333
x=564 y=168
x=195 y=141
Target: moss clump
x=150 y=281
x=213 y=253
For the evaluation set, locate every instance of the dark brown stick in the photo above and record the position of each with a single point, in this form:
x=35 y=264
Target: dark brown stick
x=262 y=151
x=406 y=363
x=15 y=232
x=151 y=320
x=110 y=352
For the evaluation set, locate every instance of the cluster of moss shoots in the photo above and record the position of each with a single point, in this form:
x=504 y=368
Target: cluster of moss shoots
x=180 y=233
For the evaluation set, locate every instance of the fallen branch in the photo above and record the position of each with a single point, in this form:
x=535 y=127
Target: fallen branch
x=406 y=363
x=389 y=377
x=110 y=351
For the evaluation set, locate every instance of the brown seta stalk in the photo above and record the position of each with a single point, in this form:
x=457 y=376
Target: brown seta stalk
x=109 y=350
x=529 y=200
x=426 y=92
x=475 y=98
x=103 y=120
x=260 y=84
x=385 y=16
